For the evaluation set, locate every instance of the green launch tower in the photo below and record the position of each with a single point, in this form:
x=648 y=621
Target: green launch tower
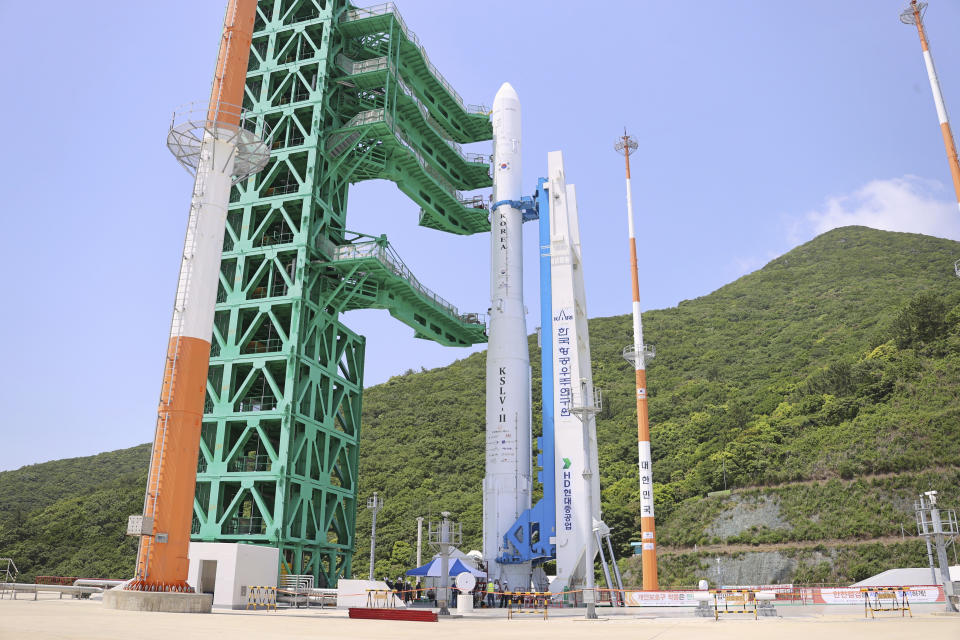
x=349 y=95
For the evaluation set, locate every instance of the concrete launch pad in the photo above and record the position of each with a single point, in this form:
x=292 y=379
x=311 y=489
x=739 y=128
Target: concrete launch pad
x=50 y=618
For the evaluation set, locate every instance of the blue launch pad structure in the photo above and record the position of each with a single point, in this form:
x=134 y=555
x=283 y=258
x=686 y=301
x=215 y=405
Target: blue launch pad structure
x=531 y=536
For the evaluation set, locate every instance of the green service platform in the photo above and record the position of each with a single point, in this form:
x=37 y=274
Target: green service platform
x=350 y=95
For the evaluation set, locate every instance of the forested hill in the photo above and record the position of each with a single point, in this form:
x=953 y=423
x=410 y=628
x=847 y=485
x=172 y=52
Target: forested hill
x=835 y=360
x=822 y=388
x=68 y=517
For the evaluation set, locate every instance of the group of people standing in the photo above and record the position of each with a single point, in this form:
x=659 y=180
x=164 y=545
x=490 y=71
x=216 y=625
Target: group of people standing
x=405 y=589
x=489 y=594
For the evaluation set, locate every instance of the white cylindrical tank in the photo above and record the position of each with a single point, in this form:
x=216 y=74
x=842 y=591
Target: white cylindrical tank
x=507 y=484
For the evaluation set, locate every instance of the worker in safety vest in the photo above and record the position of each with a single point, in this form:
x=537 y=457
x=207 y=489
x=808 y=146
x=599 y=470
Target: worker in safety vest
x=491 y=594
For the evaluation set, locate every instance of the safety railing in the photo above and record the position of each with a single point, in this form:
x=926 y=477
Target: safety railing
x=263 y=403
x=582 y=404
x=278 y=288
x=263 y=345
x=630 y=353
x=477 y=158
x=246 y=464
x=371 y=116
x=282 y=185
x=55 y=580
x=466 y=202
x=295 y=589
x=245 y=526
x=429 y=119
x=389 y=258
x=356 y=67
x=192 y=124
x=475 y=202
x=389 y=7
x=12 y=588
x=473 y=318
x=276 y=237
x=374 y=116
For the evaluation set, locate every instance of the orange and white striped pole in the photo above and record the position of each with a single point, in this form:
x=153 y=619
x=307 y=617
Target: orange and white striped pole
x=168 y=505
x=626 y=145
x=913 y=14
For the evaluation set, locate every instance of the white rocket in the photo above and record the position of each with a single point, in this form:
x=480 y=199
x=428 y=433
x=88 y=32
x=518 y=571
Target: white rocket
x=507 y=484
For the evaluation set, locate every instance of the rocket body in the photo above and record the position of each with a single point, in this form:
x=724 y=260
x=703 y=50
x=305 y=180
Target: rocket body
x=507 y=483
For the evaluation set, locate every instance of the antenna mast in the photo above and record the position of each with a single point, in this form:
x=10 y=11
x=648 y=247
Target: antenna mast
x=637 y=354
x=913 y=14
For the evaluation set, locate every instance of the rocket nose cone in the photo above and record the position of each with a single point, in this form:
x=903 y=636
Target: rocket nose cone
x=507 y=91
x=505 y=94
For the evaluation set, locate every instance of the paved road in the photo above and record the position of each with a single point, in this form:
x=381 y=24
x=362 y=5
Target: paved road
x=54 y=619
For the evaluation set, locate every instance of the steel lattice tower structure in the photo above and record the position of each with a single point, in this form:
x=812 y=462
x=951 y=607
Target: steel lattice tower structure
x=350 y=95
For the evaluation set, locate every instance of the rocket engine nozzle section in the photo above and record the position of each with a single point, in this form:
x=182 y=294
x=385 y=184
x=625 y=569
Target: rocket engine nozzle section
x=507 y=483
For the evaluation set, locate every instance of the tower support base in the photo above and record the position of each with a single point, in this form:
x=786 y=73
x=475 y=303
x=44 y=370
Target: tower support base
x=157 y=601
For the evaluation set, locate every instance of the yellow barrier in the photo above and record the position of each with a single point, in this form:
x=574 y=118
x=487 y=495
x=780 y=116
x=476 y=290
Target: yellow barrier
x=527 y=602
x=380 y=599
x=259 y=596
x=743 y=599
x=885 y=599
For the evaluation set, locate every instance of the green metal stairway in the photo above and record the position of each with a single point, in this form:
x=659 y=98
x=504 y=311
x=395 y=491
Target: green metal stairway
x=375 y=28
x=372 y=276
x=406 y=121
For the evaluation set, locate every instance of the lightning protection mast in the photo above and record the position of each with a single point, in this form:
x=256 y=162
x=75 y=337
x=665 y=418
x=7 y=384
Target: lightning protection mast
x=913 y=14
x=220 y=146
x=637 y=354
x=374 y=504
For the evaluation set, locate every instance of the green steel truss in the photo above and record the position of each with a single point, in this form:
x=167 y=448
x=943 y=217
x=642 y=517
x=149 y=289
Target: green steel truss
x=350 y=95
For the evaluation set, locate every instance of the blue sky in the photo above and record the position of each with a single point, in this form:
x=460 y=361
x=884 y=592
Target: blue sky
x=760 y=124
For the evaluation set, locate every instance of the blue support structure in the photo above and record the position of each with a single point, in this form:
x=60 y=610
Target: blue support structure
x=527 y=205
x=531 y=534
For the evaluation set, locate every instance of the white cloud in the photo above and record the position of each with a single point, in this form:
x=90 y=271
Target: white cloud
x=909 y=204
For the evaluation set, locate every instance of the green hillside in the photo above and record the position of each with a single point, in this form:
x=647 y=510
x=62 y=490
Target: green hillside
x=68 y=517
x=837 y=360
x=824 y=387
